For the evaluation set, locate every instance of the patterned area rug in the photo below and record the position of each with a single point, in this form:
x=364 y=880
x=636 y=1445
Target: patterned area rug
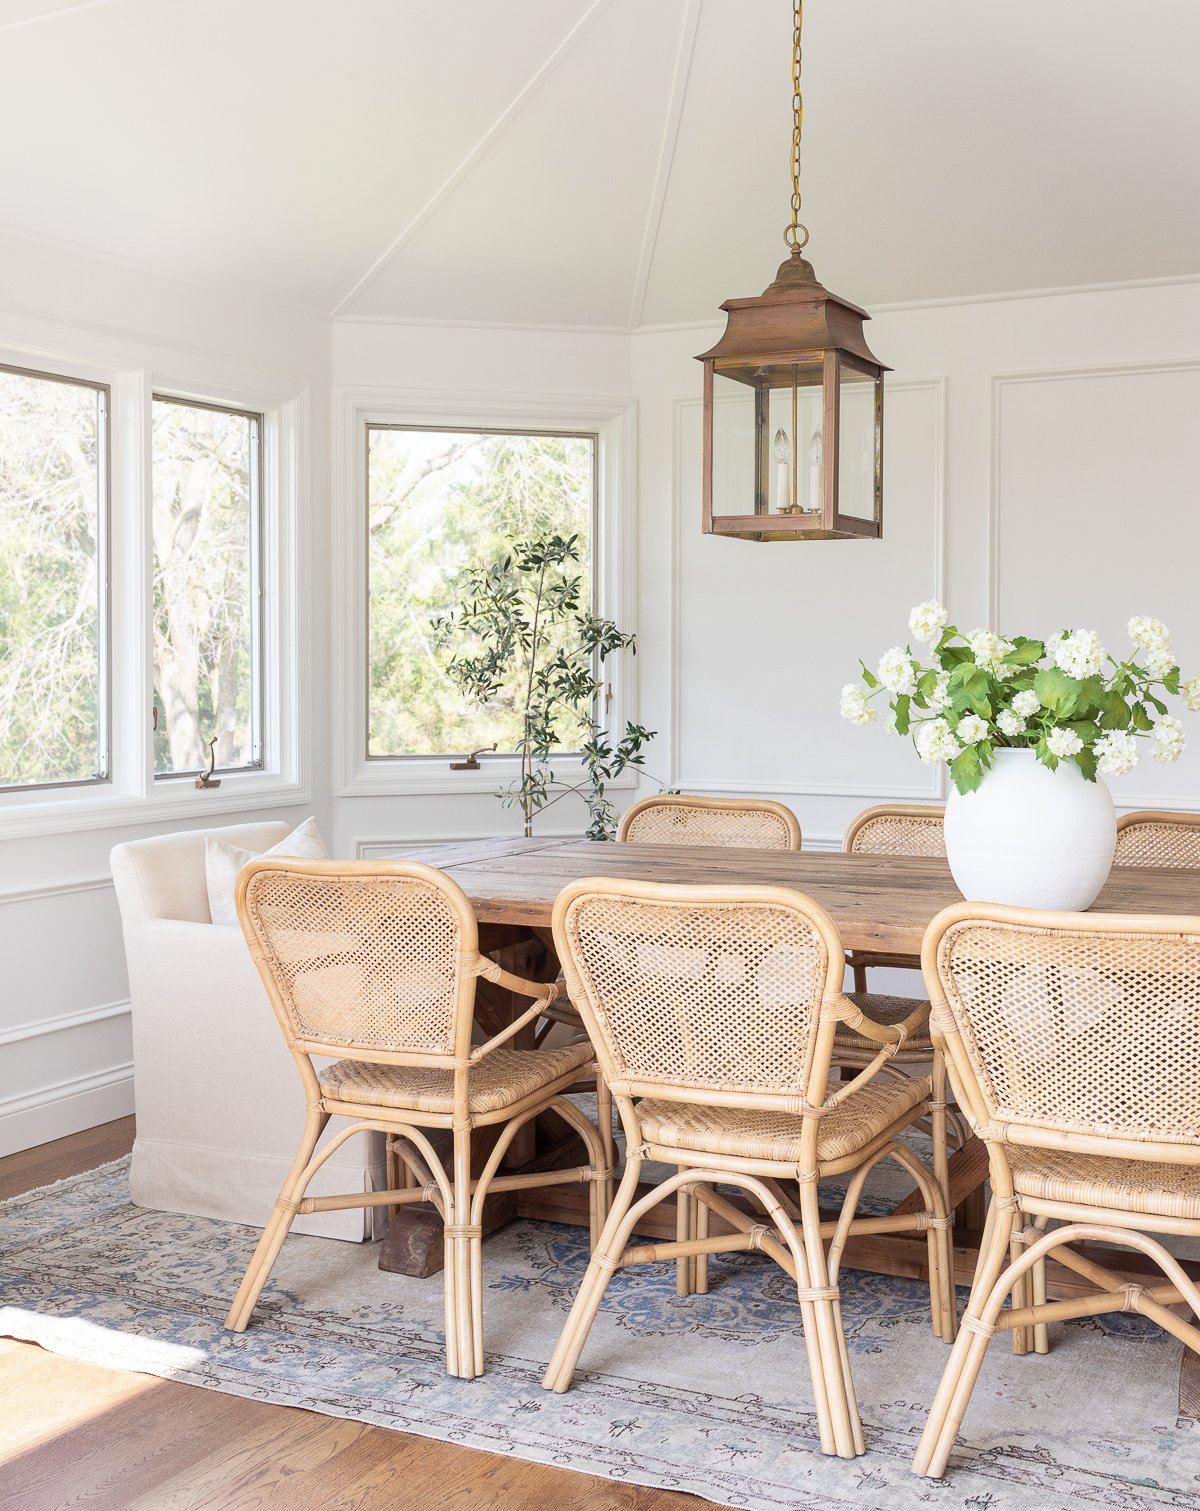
x=706 y=1393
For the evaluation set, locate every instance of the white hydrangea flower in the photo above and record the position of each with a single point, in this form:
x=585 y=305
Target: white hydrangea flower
x=939 y=698
x=1063 y=743
x=854 y=705
x=889 y=721
x=927 y=621
x=1026 y=704
x=897 y=671
x=971 y=729
x=1191 y=694
x=1080 y=654
x=936 y=742
x=1116 y=752
x=1160 y=660
x=1148 y=634
x=989 y=650
x=1008 y=723
x=1167 y=737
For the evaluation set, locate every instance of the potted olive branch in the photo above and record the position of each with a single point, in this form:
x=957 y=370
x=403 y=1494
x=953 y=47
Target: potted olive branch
x=524 y=636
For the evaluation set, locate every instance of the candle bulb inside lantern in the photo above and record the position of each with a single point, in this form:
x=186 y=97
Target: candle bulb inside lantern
x=814 y=465
x=783 y=455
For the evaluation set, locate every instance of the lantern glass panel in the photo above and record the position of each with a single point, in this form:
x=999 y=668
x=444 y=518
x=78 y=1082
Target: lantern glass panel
x=734 y=452
x=858 y=444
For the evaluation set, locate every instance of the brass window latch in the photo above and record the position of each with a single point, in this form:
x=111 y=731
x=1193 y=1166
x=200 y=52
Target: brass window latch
x=206 y=779
x=472 y=761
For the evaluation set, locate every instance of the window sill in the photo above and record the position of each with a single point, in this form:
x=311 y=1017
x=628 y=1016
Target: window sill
x=29 y=816
x=420 y=775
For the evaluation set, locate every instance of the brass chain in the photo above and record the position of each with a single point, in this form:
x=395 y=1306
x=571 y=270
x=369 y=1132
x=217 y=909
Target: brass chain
x=796 y=235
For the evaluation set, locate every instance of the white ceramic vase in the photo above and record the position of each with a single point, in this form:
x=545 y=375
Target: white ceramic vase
x=1030 y=836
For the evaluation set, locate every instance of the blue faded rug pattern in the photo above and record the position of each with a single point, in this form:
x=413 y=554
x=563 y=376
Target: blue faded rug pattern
x=708 y=1394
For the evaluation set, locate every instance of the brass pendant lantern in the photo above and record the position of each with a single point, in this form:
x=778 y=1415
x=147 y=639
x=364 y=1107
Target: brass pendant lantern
x=793 y=402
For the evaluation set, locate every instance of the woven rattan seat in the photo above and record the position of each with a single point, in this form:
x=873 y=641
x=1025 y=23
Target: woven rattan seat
x=1074 y=1044
x=506 y=1077
x=739 y=823
x=897 y=829
x=1096 y=1180
x=376 y=966
x=887 y=1010
x=713 y=1012
x=748 y=1133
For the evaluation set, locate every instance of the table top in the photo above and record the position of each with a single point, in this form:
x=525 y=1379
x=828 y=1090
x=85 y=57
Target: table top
x=879 y=902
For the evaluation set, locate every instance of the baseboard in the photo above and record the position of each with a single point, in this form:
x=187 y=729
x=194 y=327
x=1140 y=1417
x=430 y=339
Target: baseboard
x=52 y=1112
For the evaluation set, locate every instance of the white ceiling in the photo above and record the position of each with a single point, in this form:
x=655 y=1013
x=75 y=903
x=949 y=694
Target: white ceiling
x=606 y=163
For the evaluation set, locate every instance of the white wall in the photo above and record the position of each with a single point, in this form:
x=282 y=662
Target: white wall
x=1040 y=471
x=65 y=1060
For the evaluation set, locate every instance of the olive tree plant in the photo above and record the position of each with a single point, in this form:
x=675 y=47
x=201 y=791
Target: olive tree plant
x=524 y=638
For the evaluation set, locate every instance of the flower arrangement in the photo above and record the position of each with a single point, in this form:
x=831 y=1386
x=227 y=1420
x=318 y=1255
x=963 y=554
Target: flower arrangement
x=1064 y=699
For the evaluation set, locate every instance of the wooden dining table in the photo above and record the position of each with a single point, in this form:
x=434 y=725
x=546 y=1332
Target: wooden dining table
x=880 y=903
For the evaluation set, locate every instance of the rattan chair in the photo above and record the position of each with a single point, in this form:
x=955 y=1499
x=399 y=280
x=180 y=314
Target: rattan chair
x=900 y=829
x=713 y=1011
x=681 y=819
x=1073 y=1042
x=1159 y=839
x=376 y=964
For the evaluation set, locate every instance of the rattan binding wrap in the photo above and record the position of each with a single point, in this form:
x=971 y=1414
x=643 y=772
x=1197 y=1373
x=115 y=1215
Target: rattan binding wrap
x=1073 y=1042
x=713 y=1011
x=1159 y=839
x=738 y=823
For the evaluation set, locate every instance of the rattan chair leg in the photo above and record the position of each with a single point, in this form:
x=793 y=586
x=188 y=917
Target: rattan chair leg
x=1041 y=1334
x=604 y=1121
x=700 y=1231
x=839 y=1386
x=463 y=1264
x=278 y=1224
x=684 y=1206
x=1022 y=1337
x=599 y=1272
x=962 y=1368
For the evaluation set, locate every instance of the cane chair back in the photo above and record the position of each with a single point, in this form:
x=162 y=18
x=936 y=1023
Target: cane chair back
x=739 y=823
x=363 y=956
x=897 y=829
x=1062 y=1027
x=1159 y=839
x=689 y=991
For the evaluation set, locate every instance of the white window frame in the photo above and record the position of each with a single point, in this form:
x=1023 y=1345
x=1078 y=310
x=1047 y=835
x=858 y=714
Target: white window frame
x=614 y=423
x=134 y=372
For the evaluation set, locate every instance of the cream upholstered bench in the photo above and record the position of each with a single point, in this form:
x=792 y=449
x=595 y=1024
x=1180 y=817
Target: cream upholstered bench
x=216 y=1091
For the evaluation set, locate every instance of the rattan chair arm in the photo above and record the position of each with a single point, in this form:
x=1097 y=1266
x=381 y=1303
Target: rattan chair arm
x=545 y=994
x=853 y=1017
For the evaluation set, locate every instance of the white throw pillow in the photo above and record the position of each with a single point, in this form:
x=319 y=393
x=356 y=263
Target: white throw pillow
x=222 y=862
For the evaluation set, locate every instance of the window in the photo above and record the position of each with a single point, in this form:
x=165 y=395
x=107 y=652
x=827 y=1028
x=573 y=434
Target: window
x=439 y=500
x=53 y=580
x=207 y=477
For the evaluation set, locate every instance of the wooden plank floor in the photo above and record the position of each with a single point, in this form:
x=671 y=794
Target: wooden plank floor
x=77 y=1435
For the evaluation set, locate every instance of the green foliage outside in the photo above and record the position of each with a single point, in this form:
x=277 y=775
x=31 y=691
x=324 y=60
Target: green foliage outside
x=49 y=620
x=441 y=502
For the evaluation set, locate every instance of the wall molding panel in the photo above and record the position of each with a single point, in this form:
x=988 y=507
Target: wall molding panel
x=55 y=889
x=1005 y=382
